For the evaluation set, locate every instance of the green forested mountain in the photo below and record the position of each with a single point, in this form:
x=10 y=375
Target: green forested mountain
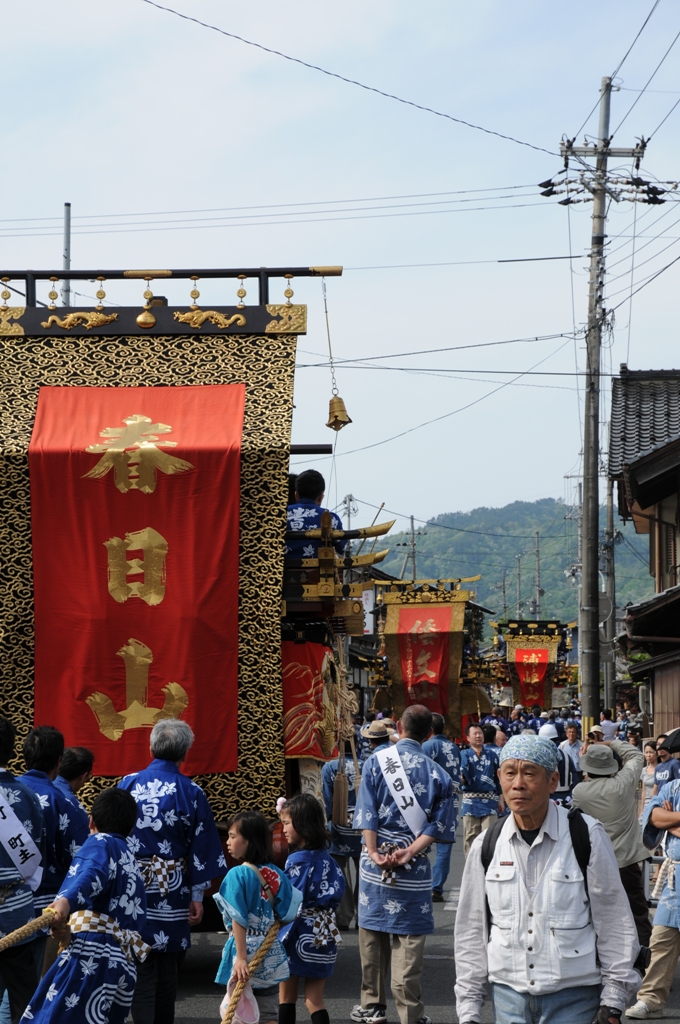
x=487 y=540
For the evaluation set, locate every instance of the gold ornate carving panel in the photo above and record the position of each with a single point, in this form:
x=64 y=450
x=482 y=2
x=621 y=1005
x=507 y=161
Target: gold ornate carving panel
x=266 y=365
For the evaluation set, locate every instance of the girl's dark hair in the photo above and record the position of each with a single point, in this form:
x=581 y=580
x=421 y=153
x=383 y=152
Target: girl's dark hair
x=306 y=814
x=254 y=828
x=652 y=744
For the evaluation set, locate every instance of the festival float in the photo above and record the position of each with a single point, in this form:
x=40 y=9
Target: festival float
x=145 y=470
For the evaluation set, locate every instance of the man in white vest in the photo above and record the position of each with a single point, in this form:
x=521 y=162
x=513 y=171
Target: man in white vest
x=556 y=943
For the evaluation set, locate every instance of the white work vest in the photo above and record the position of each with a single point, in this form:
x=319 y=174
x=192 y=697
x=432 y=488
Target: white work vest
x=543 y=943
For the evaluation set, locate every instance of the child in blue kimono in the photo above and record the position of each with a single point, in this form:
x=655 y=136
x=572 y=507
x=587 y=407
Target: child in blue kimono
x=311 y=941
x=94 y=977
x=246 y=907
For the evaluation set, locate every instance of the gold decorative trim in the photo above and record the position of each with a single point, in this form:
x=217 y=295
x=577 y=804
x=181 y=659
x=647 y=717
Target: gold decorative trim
x=144 y=274
x=518 y=643
x=81 y=319
x=266 y=364
x=8 y=313
x=197 y=317
x=293 y=319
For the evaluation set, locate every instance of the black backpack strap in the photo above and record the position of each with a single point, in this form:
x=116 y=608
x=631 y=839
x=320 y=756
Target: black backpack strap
x=489 y=842
x=580 y=840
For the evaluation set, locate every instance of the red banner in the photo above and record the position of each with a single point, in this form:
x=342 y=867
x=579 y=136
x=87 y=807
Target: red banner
x=424 y=654
x=309 y=726
x=531 y=666
x=135 y=496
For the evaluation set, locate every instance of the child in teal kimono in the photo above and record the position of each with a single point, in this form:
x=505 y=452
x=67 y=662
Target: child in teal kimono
x=311 y=940
x=248 y=913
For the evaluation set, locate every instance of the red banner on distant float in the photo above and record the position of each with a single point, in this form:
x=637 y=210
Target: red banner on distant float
x=531 y=666
x=135 y=497
x=424 y=637
x=309 y=726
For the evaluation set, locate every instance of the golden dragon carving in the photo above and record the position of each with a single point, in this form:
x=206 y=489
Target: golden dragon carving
x=89 y=320
x=197 y=317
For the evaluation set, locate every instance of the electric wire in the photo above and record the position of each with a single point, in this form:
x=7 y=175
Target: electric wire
x=249 y=224
x=642 y=91
x=453 y=412
x=677 y=102
x=649 y=281
x=348 y=81
x=621 y=63
x=274 y=206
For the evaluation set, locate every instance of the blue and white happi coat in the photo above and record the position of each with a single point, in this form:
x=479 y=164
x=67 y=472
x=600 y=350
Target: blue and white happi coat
x=81 y=814
x=404 y=907
x=19 y=906
x=321 y=883
x=242 y=899
x=480 y=784
x=446 y=754
x=668 y=910
x=65 y=833
x=306 y=515
x=92 y=981
x=174 y=823
x=345 y=841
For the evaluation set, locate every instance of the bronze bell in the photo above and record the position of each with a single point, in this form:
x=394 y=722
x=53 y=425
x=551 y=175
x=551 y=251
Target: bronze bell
x=337 y=414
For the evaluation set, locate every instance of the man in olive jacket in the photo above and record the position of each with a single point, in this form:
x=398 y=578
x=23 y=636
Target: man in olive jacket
x=609 y=793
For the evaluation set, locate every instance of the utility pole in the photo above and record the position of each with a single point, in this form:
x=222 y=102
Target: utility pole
x=610 y=575
x=590 y=581
x=537 y=581
x=413 y=550
x=519 y=587
x=66 y=286
x=593 y=183
x=505 y=599
x=410 y=555
x=350 y=508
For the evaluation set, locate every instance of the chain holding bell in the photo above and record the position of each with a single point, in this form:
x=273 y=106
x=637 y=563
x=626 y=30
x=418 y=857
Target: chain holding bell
x=337 y=414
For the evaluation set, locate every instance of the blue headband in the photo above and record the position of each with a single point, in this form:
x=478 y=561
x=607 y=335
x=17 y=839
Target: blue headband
x=529 y=747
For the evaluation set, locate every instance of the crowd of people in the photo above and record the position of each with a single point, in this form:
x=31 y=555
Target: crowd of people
x=552 y=913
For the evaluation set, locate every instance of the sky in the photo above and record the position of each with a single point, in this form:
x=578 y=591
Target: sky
x=178 y=146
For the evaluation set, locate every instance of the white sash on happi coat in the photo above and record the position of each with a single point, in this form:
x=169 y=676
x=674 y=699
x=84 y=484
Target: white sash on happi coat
x=400 y=789
x=17 y=842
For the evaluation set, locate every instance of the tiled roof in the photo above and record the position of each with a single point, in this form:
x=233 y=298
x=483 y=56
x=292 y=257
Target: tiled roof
x=645 y=415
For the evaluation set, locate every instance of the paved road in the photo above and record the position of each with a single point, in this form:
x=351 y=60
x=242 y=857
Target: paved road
x=199 y=997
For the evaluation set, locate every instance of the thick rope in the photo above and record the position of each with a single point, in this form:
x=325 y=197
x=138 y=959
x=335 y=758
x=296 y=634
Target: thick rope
x=252 y=966
x=26 y=930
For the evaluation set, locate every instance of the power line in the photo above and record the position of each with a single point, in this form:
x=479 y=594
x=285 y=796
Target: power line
x=349 y=81
x=273 y=206
x=664 y=120
x=621 y=63
x=641 y=94
x=641 y=30
x=465 y=263
x=263 y=223
x=453 y=348
x=649 y=281
x=446 y=415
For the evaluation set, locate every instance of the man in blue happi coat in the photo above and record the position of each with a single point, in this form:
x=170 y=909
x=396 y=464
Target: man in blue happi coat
x=305 y=514
x=18 y=970
x=102 y=898
x=66 y=828
x=75 y=770
x=178 y=849
x=661 y=819
x=496 y=719
x=481 y=789
x=345 y=847
x=445 y=753
x=405 y=802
